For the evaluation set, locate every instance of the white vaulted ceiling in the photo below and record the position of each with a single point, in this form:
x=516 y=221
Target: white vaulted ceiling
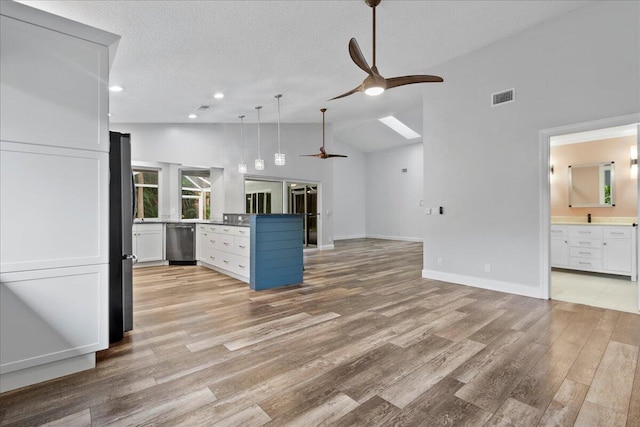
x=174 y=55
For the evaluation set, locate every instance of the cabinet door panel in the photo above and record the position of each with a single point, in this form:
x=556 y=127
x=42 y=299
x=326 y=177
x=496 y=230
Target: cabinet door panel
x=617 y=255
x=559 y=253
x=54 y=207
x=47 y=98
x=149 y=246
x=242 y=246
x=49 y=315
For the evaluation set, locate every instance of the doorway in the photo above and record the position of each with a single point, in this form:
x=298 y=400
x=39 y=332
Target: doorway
x=571 y=152
x=303 y=199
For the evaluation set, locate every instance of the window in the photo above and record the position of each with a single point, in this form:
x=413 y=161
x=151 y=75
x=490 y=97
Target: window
x=146 y=187
x=263 y=197
x=259 y=202
x=196 y=193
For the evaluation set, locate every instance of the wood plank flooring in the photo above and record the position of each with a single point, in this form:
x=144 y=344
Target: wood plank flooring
x=364 y=341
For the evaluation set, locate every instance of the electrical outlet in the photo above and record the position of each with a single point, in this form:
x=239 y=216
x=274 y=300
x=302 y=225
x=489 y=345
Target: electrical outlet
x=440 y=261
x=487 y=268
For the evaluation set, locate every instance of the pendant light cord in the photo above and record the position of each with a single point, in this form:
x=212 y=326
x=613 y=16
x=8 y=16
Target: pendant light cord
x=278 y=98
x=258 y=108
x=241 y=138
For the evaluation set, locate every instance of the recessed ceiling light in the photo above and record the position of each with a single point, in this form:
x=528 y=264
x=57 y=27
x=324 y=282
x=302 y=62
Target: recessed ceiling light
x=116 y=88
x=400 y=127
x=193 y=116
x=109 y=114
x=219 y=95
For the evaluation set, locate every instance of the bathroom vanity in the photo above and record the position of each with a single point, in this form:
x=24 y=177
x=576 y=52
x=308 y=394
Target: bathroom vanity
x=599 y=248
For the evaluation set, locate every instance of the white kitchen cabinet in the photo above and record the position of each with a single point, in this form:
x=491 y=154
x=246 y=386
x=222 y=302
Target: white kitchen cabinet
x=55 y=207
x=47 y=315
x=607 y=249
x=148 y=242
x=54 y=195
x=225 y=248
x=54 y=87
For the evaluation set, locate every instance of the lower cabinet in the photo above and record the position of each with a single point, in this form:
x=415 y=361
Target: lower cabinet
x=598 y=248
x=148 y=242
x=49 y=316
x=559 y=246
x=225 y=248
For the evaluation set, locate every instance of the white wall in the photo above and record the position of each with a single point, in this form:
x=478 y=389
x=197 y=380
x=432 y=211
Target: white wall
x=392 y=196
x=482 y=163
x=218 y=145
x=349 y=183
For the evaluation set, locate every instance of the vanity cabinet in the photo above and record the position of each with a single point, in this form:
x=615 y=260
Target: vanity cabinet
x=598 y=248
x=559 y=246
x=148 y=242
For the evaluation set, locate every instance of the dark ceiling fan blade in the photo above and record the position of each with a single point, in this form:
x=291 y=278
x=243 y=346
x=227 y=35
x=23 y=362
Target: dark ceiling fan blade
x=357 y=56
x=408 y=80
x=336 y=155
x=352 y=91
x=311 y=155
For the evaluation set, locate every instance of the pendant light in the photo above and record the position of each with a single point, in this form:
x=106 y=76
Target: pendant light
x=259 y=163
x=279 y=157
x=242 y=166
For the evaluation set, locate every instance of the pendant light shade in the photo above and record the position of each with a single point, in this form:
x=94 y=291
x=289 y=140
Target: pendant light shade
x=242 y=166
x=279 y=157
x=259 y=163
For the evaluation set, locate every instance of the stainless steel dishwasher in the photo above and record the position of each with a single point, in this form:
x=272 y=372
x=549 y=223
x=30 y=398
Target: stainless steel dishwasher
x=181 y=243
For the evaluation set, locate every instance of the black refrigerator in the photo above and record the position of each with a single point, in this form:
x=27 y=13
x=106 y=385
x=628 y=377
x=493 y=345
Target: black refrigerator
x=121 y=258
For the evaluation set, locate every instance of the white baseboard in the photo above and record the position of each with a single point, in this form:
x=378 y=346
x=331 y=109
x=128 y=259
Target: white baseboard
x=350 y=236
x=401 y=238
x=48 y=371
x=326 y=247
x=484 y=283
x=150 y=264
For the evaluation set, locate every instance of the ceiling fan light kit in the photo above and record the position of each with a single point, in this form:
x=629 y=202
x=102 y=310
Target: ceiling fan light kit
x=374 y=84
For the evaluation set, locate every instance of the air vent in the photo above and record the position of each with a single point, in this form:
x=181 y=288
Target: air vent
x=404 y=170
x=503 y=97
x=204 y=107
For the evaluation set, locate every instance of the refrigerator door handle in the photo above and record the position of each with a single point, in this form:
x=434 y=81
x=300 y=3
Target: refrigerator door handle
x=132 y=257
x=134 y=198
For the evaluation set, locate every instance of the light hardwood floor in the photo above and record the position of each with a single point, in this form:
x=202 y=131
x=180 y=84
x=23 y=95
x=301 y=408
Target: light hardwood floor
x=365 y=341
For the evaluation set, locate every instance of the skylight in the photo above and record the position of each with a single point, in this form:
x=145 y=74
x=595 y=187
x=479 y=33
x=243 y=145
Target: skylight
x=400 y=127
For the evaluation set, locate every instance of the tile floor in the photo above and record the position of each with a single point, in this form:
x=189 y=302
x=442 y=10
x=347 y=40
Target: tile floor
x=597 y=290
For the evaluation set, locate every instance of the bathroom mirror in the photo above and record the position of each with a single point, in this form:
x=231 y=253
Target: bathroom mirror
x=591 y=185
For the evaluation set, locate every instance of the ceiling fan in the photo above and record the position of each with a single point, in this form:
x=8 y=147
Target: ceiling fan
x=374 y=83
x=323 y=153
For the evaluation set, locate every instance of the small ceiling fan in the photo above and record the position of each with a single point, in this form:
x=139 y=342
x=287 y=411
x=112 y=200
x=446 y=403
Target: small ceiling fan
x=374 y=83
x=323 y=153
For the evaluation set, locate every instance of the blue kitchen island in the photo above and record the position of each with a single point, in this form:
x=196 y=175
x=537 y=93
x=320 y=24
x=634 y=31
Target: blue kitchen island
x=276 y=250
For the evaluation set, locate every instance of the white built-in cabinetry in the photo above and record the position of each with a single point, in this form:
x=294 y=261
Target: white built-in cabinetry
x=225 y=248
x=607 y=249
x=148 y=242
x=54 y=195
